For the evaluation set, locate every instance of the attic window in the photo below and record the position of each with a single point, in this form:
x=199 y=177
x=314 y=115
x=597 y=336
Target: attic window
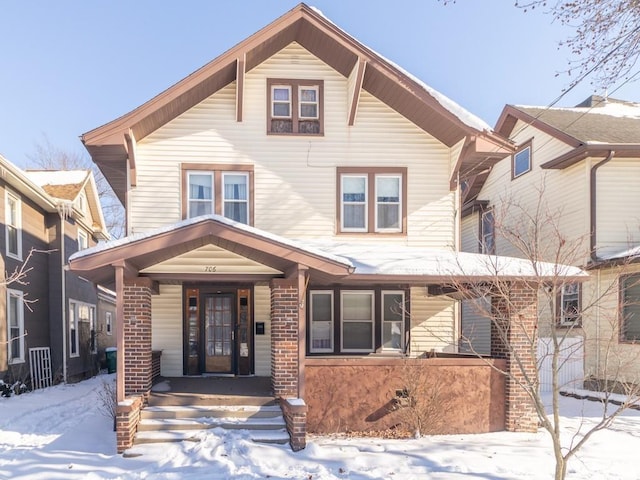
x=295 y=107
x=82 y=203
x=521 y=163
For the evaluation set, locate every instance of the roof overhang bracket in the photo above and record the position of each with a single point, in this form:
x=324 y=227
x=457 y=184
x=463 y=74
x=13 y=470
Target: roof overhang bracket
x=130 y=145
x=354 y=83
x=240 y=71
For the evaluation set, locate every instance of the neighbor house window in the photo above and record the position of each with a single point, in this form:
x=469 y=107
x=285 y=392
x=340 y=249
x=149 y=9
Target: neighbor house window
x=82 y=203
x=225 y=190
x=15 y=326
x=630 y=308
x=81 y=318
x=521 y=160
x=321 y=319
x=372 y=200
x=393 y=311
x=13 y=220
x=295 y=107
x=357 y=320
x=108 y=322
x=83 y=240
x=487 y=233
x=569 y=304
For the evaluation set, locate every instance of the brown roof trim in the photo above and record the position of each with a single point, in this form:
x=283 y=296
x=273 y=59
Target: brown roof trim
x=592 y=150
x=511 y=114
x=614 y=262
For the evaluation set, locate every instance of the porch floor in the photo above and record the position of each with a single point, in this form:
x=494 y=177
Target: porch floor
x=210 y=390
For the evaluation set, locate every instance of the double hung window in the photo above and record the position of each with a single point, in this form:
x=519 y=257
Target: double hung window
x=630 y=308
x=295 y=107
x=13 y=225
x=15 y=326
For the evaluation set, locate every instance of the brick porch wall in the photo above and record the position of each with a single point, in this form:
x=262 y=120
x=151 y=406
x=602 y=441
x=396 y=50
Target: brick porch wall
x=295 y=416
x=284 y=338
x=127 y=419
x=137 y=337
x=514 y=337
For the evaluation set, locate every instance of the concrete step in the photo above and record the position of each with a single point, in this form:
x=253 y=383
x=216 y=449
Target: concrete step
x=280 y=436
x=164 y=424
x=199 y=411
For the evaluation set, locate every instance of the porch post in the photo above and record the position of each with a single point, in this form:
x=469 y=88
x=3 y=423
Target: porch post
x=514 y=337
x=119 y=274
x=302 y=328
x=284 y=337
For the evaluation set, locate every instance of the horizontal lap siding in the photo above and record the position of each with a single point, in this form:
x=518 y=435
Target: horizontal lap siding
x=166 y=330
x=432 y=323
x=262 y=306
x=470 y=233
x=295 y=176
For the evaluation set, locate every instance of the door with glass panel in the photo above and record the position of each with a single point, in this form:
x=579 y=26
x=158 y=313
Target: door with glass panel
x=219 y=333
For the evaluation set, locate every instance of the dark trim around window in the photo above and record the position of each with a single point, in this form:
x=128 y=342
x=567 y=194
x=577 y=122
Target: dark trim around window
x=297 y=125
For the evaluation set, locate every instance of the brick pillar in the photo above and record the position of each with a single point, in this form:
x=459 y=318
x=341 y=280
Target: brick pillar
x=514 y=337
x=138 y=368
x=284 y=337
x=295 y=416
x=127 y=419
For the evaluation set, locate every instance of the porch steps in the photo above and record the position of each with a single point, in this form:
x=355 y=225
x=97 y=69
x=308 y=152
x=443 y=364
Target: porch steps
x=160 y=424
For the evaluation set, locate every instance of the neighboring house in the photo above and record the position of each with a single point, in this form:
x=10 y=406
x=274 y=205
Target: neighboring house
x=291 y=213
x=106 y=326
x=580 y=167
x=48 y=216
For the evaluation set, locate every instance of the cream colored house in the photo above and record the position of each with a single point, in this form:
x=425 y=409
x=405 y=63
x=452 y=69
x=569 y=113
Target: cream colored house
x=578 y=168
x=292 y=214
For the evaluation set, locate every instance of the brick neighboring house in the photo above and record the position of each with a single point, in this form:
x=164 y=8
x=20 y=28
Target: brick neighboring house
x=291 y=213
x=55 y=213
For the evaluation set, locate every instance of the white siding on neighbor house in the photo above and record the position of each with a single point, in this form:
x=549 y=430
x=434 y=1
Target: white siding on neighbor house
x=262 y=313
x=475 y=326
x=617 y=201
x=470 y=233
x=166 y=329
x=295 y=176
x=433 y=326
x=564 y=193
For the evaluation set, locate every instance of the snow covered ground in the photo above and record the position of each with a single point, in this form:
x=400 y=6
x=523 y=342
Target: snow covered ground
x=59 y=433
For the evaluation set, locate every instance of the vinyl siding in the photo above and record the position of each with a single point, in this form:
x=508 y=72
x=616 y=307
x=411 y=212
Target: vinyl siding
x=470 y=234
x=617 y=200
x=262 y=313
x=432 y=323
x=166 y=329
x=295 y=176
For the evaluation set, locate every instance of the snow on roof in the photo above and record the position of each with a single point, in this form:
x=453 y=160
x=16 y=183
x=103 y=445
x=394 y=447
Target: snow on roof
x=458 y=111
x=57 y=177
x=613 y=109
x=371 y=259
x=616 y=255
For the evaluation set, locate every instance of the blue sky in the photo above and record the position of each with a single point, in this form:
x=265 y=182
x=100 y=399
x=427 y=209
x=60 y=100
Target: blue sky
x=70 y=66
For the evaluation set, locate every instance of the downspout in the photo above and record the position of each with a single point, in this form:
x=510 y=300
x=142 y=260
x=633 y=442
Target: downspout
x=592 y=201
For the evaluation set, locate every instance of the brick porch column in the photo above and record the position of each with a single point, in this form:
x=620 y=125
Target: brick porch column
x=514 y=337
x=284 y=337
x=138 y=369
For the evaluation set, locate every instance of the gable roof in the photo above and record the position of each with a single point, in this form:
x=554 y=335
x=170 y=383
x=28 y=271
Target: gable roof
x=112 y=144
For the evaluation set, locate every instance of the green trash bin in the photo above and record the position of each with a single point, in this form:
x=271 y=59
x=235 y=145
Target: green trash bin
x=111 y=354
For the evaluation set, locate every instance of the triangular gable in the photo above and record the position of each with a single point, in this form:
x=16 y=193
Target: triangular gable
x=113 y=145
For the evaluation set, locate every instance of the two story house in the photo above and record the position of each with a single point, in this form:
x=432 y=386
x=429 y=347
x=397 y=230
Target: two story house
x=48 y=333
x=577 y=169
x=291 y=213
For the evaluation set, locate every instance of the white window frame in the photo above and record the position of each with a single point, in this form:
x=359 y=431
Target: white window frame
x=246 y=201
x=82 y=203
x=108 y=323
x=398 y=203
x=213 y=190
x=372 y=320
x=301 y=102
x=564 y=321
x=402 y=321
x=274 y=101
x=311 y=320
x=20 y=318
x=18 y=223
x=344 y=228
x=515 y=161
x=83 y=240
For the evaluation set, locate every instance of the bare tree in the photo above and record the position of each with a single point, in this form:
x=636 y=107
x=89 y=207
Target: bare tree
x=49 y=157
x=606 y=42
x=534 y=234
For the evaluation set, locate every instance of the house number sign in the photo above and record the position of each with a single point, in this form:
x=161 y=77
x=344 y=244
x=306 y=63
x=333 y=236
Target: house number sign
x=209 y=268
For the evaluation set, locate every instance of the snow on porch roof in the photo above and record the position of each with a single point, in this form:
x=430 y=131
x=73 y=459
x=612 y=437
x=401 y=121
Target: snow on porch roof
x=390 y=261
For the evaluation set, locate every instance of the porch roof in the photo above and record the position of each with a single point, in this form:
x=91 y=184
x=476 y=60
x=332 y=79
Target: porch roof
x=327 y=260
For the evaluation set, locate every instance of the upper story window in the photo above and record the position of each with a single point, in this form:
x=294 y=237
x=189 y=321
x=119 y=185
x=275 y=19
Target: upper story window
x=295 y=107
x=83 y=239
x=220 y=189
x=569 y=305
x=487 y=233
x=15 y=326
x=372 y=200
x=630 y=308
x=13 y=221
x=82 y=203
x=521 y=160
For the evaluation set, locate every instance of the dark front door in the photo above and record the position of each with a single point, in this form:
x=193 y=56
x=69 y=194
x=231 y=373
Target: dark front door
x=219 y=335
